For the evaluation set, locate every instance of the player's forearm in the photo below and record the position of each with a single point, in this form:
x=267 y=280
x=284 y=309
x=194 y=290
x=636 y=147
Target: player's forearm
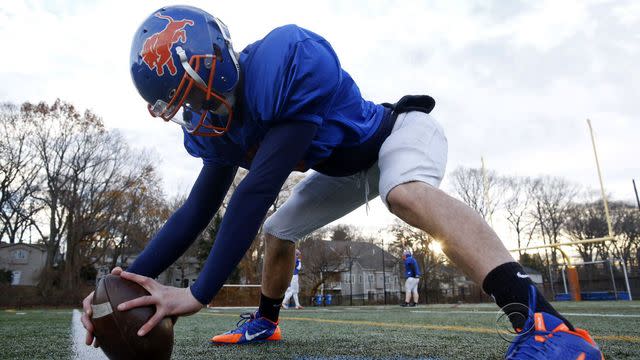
x=277 y=156
x=184 y=226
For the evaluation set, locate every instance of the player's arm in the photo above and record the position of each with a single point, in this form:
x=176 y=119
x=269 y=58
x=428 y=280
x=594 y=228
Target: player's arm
x=177 y=234
x=184 y=226
x=279 y=152
x=416 y=268
x=282 y=148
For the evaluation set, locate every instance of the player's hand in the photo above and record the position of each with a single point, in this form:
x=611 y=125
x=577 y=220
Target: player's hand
x=168 y=300
x=87 y=312
x=86 y=320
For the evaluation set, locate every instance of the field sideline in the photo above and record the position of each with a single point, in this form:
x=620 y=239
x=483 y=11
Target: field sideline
x=373 y=332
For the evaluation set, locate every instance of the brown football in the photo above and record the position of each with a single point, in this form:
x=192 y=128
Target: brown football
x=116 y=331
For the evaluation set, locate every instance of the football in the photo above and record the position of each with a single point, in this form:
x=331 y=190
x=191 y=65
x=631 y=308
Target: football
x=116 y=331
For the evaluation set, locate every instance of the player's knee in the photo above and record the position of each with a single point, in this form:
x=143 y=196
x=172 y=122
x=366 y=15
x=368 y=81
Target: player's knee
x=403 y=204
x=279 y=247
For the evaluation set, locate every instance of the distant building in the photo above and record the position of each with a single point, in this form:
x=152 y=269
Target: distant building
x=183 y=273
x=534 y=274
x=25 y=261
x=356 y=269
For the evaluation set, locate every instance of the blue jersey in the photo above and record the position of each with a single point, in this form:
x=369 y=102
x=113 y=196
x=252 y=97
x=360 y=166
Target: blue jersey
x=295 y=105
x=291 y=75
x=411 y=268
x=298 y=267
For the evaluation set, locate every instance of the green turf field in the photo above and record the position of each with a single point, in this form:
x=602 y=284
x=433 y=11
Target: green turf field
x=434 y=331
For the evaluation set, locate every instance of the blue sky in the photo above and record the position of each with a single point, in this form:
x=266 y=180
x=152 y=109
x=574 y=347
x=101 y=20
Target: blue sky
x=514 y=81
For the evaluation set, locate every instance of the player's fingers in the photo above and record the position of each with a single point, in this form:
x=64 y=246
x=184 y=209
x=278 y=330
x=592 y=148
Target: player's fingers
x=155 y=319
x=86 y=322
x=137 y=302
x=145 y=282
x=86 y=304
x=88 y=339
x=116 y=270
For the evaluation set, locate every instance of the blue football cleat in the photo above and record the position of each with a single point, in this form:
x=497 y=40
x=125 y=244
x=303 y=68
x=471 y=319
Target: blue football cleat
x=251 y=328
x=546 y=337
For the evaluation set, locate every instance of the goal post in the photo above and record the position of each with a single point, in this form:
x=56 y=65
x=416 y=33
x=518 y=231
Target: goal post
x=599 y=280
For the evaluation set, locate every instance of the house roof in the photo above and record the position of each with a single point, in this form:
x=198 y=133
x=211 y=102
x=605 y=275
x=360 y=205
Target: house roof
x=39 y=247
x=368 y=255
x=531 y=271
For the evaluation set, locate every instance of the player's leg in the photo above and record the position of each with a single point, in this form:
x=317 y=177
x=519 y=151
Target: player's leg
x=407 y=292
x=276 y=275
x=466 y=239
x=412 y=162
x=295 y=288
x=287 y=298
x=316 y=201
x=414 y=291
x=277 y=271
x=296 y=300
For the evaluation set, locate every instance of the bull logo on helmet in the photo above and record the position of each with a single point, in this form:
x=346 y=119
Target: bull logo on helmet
x=156 y=49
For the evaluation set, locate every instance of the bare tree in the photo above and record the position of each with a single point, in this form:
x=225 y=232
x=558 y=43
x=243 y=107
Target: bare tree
x=553 y=196
x=421 y=246
x=586 y=221
x=518 y=206
x=343 y=232
x=93 y=194
x=82 y=167
x=323 y=260
x=140 y=211
x=18 y=176
x=626 y=225
x=53 y=140
x=471 y=186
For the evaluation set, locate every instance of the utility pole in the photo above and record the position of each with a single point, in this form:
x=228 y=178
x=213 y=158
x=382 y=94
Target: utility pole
x=485 y=191
x=384 y=275
x=636 y=191
x=350 y=281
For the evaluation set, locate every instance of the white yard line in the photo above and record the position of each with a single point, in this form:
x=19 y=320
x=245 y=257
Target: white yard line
x=80 y=350
x=217 y=308
x=496 y=313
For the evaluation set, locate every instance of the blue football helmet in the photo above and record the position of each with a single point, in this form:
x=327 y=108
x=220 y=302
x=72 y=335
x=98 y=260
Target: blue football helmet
x=182 y=57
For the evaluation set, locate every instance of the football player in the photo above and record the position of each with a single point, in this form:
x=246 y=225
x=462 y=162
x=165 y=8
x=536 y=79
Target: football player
x=412 y=278
x=283 y=104
x=294 y=286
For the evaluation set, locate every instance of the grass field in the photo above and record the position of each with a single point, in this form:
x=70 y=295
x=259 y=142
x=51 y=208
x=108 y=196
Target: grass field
x=433 y=331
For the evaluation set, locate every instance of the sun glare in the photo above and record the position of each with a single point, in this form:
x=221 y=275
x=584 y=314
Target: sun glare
x=436 y=247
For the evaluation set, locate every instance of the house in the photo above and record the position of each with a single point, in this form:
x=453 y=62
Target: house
x=25 y=261
x=183 y=273
x=352 y=269
x=534 y=275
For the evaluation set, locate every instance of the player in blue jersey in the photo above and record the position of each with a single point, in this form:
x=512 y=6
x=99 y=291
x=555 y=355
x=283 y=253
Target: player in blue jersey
x=294 y=286
x=412 y=278
x=283 y=104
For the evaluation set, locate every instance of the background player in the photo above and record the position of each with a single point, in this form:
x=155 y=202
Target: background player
x=412 y=276
x=294 y=286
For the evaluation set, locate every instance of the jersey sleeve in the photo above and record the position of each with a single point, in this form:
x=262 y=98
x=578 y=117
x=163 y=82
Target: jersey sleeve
x=183 y=227
x=312 y=79
x=274 y=161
